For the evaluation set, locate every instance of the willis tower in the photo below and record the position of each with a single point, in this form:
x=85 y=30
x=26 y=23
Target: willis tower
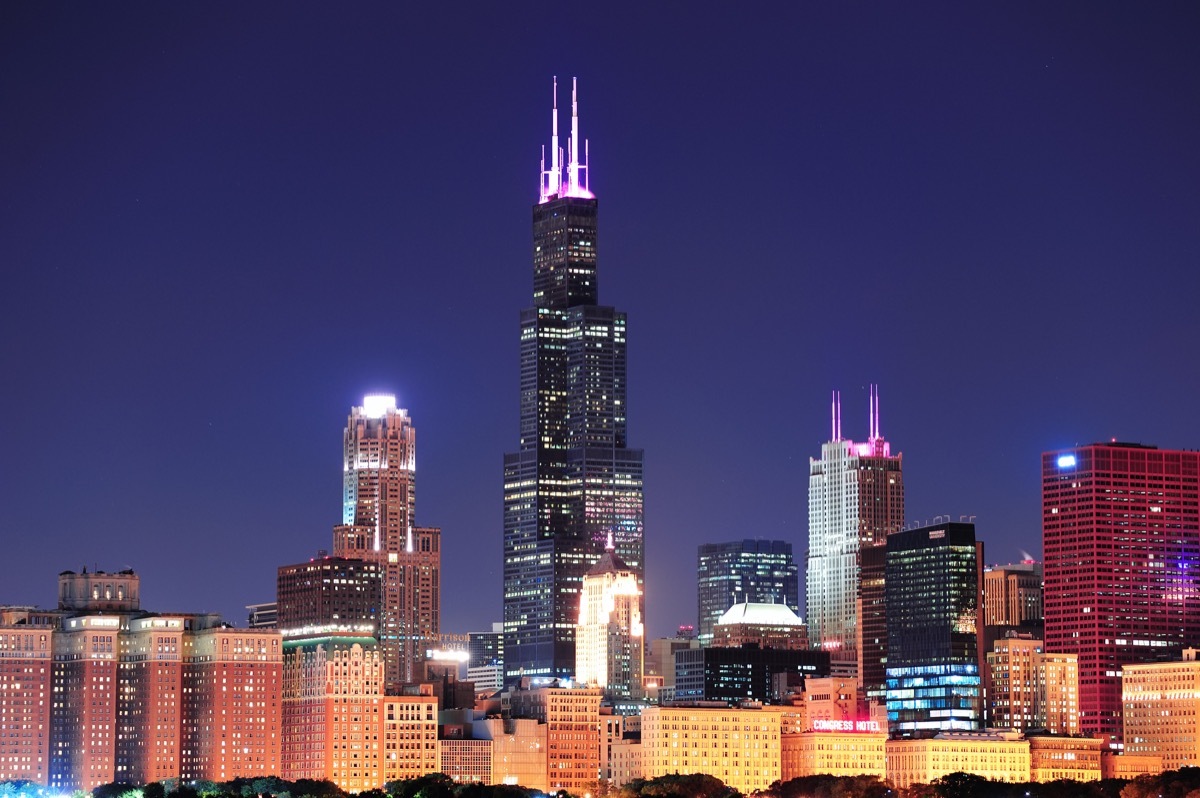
x=573 y=482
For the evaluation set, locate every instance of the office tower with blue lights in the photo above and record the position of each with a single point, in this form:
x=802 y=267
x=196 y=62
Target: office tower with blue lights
x=934 y=589
x=573 y=481
x=743 y=572
x=855 y=500
x=1121 y=539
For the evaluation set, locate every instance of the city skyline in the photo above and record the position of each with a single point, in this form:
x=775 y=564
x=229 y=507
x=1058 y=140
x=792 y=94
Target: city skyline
x=986 y=211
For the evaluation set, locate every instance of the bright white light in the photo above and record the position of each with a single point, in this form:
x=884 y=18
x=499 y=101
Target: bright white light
x=1066 y=461
x=377 y=405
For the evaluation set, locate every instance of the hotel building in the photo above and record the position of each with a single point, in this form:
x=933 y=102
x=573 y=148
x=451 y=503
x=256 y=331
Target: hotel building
x=741 y=747
x=995 y=755
x=378 y=525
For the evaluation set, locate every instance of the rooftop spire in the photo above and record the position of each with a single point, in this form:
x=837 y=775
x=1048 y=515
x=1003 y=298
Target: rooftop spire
x=552 y=179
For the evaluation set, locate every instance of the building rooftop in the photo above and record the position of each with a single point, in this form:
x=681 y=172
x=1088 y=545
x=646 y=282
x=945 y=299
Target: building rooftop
x=760 y=615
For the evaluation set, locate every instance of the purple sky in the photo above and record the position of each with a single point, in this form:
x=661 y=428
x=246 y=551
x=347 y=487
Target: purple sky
x=224 y=223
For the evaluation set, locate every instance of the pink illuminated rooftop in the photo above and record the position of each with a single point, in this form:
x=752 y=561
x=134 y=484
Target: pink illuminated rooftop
x=562 y=179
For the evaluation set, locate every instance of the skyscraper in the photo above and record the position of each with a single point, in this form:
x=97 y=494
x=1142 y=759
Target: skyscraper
x=934 y=586
x=1121 y=536
x=610 y=639
x=855 y=500
x=573 y=481
x=378 y=508
x=743 y=572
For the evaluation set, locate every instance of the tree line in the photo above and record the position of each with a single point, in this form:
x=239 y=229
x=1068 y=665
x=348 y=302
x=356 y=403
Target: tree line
x=1183 y=783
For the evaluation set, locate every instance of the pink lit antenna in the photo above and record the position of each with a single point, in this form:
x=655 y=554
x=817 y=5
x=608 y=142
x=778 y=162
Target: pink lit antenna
x=878 y=433
x=555 y=152
x=574 y=189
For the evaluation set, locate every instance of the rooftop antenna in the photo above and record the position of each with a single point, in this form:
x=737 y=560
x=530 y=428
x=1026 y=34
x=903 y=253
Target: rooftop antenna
x=833 y=416
x=555 y=150
x=839 y=415
x=609 y=546
x=552 y=179
x=573 y=142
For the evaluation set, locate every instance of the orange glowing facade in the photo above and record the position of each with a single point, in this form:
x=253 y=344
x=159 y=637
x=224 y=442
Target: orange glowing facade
x=572 y=720
x=410 y=744
x=84 y=713
x=378 y=509
x=232 y=690
x=26 y=694
x=332 y=712
x=149 y=724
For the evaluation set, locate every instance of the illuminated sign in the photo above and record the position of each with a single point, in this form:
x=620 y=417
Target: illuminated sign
x=1066 y=461
x=847 y=725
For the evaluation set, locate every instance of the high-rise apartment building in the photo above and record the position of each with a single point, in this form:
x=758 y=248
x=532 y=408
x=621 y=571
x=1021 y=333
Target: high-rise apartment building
x=934 y=599
x=378 y=525
x=1121 y=539
x=1030 y=689
x=573 y=481
x=743 y=572
x=610 y=639
x=855 y=500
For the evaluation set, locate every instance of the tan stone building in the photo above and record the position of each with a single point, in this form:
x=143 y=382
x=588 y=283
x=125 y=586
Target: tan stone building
x=1128 y=766
x=1161 y=710
x=836 y=753
x=410 y=743
x=572 y=719
x=1053 y=757
x=741 y=747
x=1031 y=689
x=1000 y=756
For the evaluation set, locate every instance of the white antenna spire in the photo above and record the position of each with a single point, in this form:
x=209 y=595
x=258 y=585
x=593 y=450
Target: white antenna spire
x=573 y=142
x=871 y=412
x=610 y=545
x=833 y=416
x=555 y=162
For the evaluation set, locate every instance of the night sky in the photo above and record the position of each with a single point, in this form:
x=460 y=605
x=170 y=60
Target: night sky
x=222 y=224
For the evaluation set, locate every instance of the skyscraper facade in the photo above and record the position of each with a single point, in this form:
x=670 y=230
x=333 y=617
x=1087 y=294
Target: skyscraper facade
x=610 y=638
x=378 y=525
x=743 y=572
x=1121 y=536
x=934 y=586
x=855 y=500
x=573 y=481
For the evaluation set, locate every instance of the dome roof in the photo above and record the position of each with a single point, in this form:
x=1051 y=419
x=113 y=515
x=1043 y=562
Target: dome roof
x=761 y=615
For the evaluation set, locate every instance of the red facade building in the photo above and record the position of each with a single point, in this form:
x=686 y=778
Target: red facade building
x=1121 y=533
